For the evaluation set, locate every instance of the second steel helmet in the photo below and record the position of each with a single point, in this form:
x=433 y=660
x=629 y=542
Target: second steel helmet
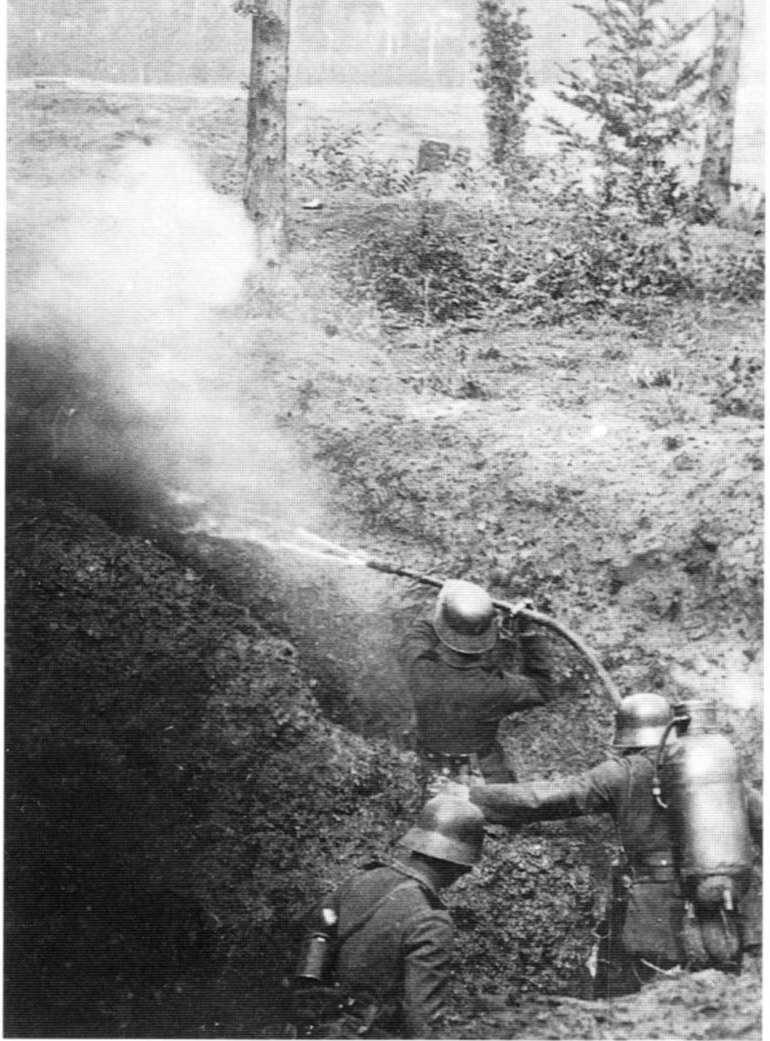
x=464 y=618
x=640 y=721
x=448 y=829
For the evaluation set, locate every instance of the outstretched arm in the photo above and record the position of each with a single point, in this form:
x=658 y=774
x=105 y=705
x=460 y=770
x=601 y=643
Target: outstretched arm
x=594 y=791
x=533 y=801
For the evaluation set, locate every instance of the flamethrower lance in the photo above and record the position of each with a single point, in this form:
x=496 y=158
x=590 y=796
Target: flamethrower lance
x=512 y=610
x=307 y=543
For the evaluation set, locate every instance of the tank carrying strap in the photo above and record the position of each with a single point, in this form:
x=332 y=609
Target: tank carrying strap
x=368 y=915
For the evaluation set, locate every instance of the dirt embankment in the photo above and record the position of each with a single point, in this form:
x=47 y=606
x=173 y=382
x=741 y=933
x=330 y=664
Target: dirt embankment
x=202 y=737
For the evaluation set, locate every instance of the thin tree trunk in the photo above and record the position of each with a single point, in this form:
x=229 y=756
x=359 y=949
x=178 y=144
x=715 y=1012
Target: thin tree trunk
x=265 y=185
x=716 y=167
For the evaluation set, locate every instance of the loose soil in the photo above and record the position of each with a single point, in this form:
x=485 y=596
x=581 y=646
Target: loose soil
x=203 y=732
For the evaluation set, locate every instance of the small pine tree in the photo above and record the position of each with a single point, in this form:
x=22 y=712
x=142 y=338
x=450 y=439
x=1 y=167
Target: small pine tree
x=505 y=79
x=641 y=98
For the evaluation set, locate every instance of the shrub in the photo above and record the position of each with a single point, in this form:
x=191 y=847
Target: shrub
x=554 y=252
x=339 y=158
x=438 y=262
x=733 y=269
x=429 y=259
x=610 y=260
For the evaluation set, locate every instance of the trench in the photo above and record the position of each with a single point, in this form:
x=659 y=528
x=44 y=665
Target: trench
x=97 y=954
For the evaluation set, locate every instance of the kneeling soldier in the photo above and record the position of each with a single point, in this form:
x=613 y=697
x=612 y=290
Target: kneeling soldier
x=390 y=936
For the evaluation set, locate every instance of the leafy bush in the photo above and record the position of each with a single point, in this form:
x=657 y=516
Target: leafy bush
x=609 y=260
x=433 y=260
x=440 y=261
x=339 y=158
x=733 y=269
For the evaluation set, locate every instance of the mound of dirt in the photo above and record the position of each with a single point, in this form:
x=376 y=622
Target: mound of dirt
x=174 y=793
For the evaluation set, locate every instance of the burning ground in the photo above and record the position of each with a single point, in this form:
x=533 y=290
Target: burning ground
x=204 y=727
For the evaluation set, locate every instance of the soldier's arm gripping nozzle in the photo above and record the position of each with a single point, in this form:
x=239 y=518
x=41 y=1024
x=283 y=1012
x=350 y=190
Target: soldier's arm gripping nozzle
x=523 y=610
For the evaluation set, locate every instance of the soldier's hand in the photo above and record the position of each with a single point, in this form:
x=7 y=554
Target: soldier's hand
x=444 y=786
x=309 y=1005
x=513 y=622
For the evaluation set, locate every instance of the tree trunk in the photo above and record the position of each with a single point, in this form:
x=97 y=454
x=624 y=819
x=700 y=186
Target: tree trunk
x=715 y=173
x=265 y=186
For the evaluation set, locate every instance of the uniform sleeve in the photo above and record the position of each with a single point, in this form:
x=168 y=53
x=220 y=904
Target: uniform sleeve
x=536 y=660
x=520 y=692
x=534 y=684
x=575 y=796
x=426 y=973
x=420 y=639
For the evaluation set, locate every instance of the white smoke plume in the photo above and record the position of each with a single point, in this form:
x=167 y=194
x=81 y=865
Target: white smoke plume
x=143 y=267
x=142 y=274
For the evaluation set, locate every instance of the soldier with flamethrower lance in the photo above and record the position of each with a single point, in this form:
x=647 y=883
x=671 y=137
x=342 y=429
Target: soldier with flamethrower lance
x=460 y=694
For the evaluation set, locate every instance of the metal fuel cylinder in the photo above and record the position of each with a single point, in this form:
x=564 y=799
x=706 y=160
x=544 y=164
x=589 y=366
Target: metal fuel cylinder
x=317 y=949
x=313 y=958
x=704 y=788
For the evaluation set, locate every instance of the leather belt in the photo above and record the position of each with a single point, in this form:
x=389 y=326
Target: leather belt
x=656 y=866
x=454 y=758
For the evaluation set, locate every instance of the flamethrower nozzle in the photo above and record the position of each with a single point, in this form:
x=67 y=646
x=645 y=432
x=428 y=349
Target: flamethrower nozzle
x=523 y=609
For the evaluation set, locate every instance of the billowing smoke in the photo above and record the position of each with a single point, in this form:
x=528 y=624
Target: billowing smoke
x=143 y=269
x=142 y=277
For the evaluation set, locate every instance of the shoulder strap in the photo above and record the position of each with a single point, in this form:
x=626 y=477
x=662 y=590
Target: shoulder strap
x=354 y=928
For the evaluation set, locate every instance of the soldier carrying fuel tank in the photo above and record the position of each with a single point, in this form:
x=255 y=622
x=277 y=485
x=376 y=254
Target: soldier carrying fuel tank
x=459 y=694
x=684 y=818
x=375 y=960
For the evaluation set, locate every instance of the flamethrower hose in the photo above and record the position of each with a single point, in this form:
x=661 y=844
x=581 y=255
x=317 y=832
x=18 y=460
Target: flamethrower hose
x=512 y=609
x=657 y=791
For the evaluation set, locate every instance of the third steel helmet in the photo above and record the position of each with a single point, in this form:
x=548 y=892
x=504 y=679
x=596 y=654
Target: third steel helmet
x=448 y=829
x=640 y=721
x=464 y=618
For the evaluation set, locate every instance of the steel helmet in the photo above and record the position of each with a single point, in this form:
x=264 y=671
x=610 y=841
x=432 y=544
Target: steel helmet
x=465 y=617
x=641 y=720
x=448 y=829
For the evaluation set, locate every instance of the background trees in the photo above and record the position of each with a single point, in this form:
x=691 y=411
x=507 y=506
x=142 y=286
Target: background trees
x=641 y=98
x=716 y=169
x=505 y=79
x=264 y=190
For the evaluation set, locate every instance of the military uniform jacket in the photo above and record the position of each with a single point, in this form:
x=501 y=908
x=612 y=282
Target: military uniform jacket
x=622 y=787
x=399 y=959
x=459 y=708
